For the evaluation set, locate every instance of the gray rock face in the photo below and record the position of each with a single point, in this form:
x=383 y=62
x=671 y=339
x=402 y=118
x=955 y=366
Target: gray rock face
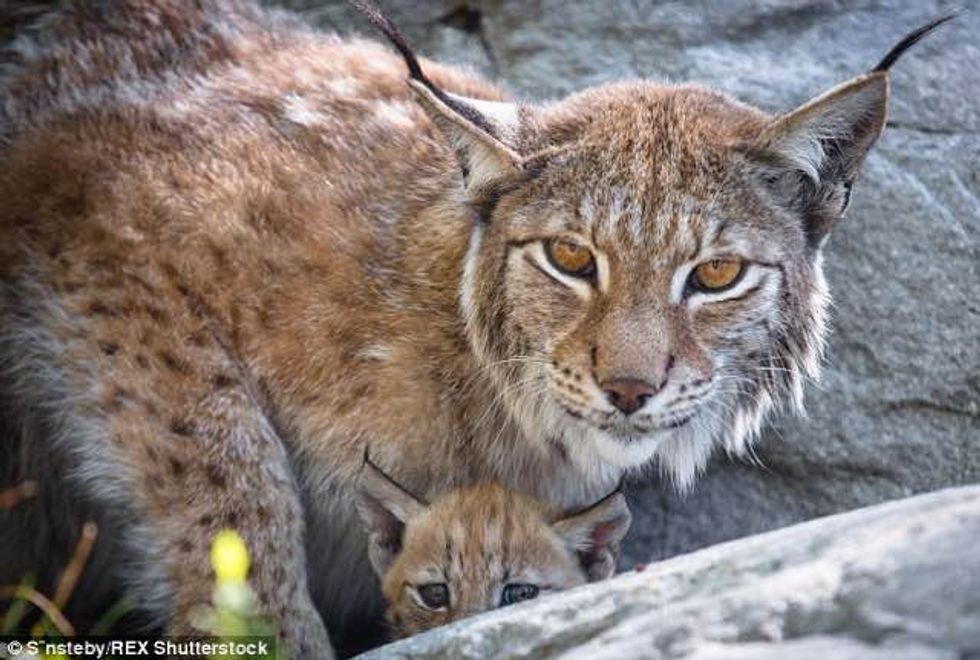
x=898 y=410
x=894 y=581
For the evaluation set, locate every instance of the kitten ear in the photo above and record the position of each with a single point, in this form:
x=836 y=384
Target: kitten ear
x=384 y=507
x=595 y=534
x=813 y=154
x=479 y=131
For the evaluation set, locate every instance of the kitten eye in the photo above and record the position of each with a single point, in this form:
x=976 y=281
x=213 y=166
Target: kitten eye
x=515 y=593
x=717 y=274
x=570 y=258
x=434 y=595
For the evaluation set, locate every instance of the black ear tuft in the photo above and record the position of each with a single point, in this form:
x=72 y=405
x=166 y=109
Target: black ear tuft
x=373 y=468
x=378 y=19
x=910 y=40
x=385 y=507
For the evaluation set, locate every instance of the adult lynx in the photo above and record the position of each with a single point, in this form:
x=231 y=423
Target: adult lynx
x=235 y=251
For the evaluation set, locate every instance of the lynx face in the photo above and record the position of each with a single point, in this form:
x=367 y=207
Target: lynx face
x=645 y=291
x=644 y=274
x=479 y=548
x=643 y=278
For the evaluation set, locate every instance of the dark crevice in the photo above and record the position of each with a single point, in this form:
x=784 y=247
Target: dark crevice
x=469 y=20
x=914 y=404
x=928 y=130
x=463 y=18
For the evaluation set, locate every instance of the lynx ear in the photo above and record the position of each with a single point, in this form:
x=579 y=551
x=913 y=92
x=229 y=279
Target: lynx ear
x=595 y=534
x=384 y=507
x=830 y=135
x=480 y=131
x=815 y=152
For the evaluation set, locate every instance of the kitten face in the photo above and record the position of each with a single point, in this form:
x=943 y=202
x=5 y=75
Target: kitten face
x=479 y=548
x=699 y=291
x=474 y=551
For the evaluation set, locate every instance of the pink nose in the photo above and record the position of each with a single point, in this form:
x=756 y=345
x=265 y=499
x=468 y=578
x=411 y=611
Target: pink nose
x=628 y=394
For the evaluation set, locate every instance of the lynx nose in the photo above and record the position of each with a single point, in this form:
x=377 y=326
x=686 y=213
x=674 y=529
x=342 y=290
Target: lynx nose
x=628 y=394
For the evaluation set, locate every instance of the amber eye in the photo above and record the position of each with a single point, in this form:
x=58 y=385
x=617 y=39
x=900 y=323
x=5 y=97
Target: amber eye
x=717 y=274
x=434 y=595
x=571 y=258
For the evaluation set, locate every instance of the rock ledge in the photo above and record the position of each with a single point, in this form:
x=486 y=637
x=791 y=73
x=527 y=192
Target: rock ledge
x=897 y=580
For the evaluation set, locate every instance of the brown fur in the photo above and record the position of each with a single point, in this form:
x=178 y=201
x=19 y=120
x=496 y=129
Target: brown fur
x=234 y=251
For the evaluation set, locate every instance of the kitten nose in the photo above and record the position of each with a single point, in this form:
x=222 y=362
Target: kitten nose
x=628 y=394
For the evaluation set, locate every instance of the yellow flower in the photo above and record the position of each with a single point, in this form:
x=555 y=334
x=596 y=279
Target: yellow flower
x=229 y=556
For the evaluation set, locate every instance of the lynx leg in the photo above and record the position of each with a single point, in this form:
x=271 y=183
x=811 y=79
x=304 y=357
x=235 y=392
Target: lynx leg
x=172 y=446
x=240 y=480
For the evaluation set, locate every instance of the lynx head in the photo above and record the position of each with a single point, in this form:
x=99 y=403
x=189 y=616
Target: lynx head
x=644 y=274
x=479 y=548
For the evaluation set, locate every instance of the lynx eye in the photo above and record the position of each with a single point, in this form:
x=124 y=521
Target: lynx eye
x=570 y=258
x=717 y=274
x=434 y=595
x=515 y=593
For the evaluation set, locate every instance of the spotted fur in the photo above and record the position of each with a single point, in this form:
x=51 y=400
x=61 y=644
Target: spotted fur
x=234 y=251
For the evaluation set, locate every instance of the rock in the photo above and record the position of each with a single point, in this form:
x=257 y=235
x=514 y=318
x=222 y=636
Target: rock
x=898 y=410
x=892 y=581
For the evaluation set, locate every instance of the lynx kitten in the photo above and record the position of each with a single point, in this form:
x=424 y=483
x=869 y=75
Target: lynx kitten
x=477 y=548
